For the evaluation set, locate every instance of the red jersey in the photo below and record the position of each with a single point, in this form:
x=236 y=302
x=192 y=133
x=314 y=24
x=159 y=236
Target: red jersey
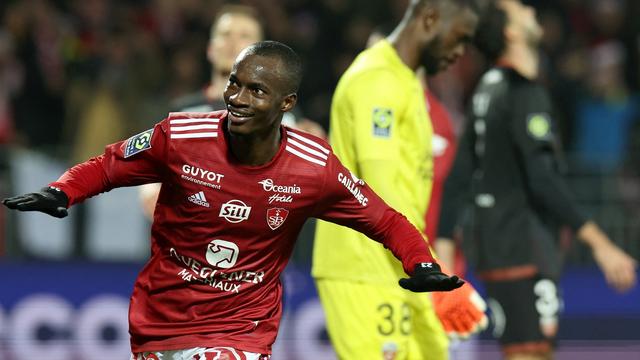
x=223 y=232
x=444 y=152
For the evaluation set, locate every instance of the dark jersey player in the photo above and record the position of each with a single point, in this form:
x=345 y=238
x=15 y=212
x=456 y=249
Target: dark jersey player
x=507 y=157
x=236 y=189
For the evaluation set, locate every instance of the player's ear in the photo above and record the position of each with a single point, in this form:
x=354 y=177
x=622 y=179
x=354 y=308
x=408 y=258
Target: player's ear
x=429 y=16
x=289 y=102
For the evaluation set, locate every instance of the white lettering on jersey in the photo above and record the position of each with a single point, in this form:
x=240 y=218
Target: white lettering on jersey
x=280 y=198
x=269 y=186
x=353 y=187
x=235 y=211
x=201 y=176
x=222 y=253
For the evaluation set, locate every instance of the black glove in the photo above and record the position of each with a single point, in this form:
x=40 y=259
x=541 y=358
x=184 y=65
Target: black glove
x=428 y=277
x=49 y=200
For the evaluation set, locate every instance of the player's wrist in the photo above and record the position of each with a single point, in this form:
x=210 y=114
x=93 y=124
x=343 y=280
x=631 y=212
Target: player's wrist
x=57 y=195
x=426 y=268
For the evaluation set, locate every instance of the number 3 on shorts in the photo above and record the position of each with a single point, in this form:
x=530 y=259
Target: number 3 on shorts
x=391 y=319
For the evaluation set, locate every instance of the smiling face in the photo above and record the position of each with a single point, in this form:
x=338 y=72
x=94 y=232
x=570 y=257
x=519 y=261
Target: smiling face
x=257 y=95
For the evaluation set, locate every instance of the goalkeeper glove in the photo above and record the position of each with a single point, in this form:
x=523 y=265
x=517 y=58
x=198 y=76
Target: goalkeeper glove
x=49 y=200
x=461 y=311
x=428 y=277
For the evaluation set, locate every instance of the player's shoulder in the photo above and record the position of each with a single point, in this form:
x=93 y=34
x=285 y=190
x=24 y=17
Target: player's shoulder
x=185 y=126
x=372 y=68
x=308 y=150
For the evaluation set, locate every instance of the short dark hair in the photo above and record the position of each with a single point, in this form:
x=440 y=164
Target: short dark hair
x=489 y=37
x=290 y=60
x=416 y=5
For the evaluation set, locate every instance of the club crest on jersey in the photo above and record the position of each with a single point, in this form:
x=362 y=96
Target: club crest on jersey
x=389 y=351
x=235 y=211
x=276 y=217
x=382 y=119
x=138 y=143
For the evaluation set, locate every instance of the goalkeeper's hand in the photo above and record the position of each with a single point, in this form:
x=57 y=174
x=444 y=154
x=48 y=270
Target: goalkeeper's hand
x=461 y=312
x=49 y=200
x=428 y=277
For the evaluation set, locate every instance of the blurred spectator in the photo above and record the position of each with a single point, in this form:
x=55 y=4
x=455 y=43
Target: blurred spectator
x=11 y=77
x=39 y=31
x=605 y=116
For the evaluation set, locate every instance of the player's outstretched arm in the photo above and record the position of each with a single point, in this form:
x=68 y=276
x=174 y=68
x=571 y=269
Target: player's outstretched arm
x=618 y=267
x=427 y=277
x=49 y=200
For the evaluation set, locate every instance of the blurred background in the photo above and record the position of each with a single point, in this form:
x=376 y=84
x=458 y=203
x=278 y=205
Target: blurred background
x=76 y=75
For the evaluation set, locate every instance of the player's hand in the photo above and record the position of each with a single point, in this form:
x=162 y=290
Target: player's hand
x=619 y=268
x=461 y=311
x=428 y=277
x=49 y=200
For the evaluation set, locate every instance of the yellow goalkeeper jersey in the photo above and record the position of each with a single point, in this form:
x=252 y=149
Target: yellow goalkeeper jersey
x=381 y=131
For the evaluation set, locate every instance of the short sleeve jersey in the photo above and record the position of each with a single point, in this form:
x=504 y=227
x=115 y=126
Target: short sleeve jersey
x=223 y=232
x=380 y=130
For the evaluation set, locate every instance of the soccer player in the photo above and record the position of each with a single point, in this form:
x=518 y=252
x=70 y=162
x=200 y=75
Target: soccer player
x=236 y=189
x=381 y=129
x=507 y=165
x=234 y=28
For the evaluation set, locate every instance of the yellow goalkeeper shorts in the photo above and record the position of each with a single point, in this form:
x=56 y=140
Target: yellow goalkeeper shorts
x=369 y=322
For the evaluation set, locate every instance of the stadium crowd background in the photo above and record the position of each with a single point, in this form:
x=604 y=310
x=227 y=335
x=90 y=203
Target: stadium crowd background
x=76 y=75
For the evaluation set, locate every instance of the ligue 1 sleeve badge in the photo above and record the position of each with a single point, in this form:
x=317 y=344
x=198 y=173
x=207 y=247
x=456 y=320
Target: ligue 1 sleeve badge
x=276 y=217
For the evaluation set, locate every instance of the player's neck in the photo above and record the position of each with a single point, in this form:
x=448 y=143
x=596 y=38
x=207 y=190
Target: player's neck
x=402 y=39
x=255 y=149
x=523 y=59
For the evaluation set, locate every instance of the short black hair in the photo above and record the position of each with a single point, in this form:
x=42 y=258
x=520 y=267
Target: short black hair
x=291 y=61
x=489 y=37
x=416 y=5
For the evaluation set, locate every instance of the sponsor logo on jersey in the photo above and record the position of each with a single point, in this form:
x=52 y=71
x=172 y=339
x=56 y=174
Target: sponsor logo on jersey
x=382 y=119
x=138 y=143
x=201 y=176
x=276 y=217
x=539 y=126
x=269 y=186
x=219 y=254
x=199 y=199
x=280 y=198
x=353 y=184
x=235 y=211
x=222 y=253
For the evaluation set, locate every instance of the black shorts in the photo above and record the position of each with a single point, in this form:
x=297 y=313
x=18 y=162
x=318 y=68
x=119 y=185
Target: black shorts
x=524 y=314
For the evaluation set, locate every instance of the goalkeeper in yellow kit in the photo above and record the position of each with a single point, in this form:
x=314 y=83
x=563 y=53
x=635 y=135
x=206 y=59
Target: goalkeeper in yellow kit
x=380 y=129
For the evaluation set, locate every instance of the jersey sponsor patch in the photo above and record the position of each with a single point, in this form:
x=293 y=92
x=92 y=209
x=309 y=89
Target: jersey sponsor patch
x=222 y=253
x=235 y=211
x=539 y=126
x=199 y=199
x=382 y=119
x=138 y=143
